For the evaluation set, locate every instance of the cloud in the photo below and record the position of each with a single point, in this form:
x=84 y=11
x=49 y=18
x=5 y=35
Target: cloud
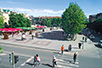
x=38 y=12
x=99 y=10
x=10 y=2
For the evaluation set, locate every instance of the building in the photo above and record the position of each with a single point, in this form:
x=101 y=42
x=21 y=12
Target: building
x=94 y=17
x=5 y=14
x=99 y=16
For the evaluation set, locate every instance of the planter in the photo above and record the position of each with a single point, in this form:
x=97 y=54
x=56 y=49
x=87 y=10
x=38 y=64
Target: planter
x=6 y=36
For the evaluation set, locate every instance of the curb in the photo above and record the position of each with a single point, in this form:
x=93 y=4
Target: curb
x=29 y=46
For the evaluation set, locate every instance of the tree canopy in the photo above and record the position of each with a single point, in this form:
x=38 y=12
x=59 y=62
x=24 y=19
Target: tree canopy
x=49 y=21
x=18 y=20
x=73 y=19
x=1 y=21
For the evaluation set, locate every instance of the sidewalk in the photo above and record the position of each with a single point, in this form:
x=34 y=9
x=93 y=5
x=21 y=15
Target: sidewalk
x=48 y=42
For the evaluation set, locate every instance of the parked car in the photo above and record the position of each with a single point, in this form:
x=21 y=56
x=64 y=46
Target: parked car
x=100 y=43
x=91 y=37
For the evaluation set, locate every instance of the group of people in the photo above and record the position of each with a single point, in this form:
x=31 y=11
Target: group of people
x=69 y=49
x=84 y=39
x=23 y=36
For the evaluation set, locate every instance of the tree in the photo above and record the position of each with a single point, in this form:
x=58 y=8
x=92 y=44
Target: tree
x=18 y=20
x=59 y=22
x=54 y=21
x=44 y=22
x=49 y=22
x=73 y=19
x=1 y=21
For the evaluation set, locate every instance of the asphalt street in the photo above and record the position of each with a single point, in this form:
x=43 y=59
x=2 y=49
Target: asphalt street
x=91 y=59
x=26 y=55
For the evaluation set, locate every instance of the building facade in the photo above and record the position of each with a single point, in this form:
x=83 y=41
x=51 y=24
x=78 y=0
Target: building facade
x=94 y=17
x=5 y=14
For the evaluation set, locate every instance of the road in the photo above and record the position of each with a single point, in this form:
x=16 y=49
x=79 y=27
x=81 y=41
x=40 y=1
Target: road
x=26 y=55
x=91 y=59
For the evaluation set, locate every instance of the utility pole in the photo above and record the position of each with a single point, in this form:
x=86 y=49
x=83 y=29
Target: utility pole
x=13 y=59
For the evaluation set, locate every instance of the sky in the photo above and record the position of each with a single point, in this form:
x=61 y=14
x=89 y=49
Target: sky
x=50 y=7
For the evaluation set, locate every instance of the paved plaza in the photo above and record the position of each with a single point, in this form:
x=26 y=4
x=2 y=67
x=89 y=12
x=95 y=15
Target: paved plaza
x=53 y=40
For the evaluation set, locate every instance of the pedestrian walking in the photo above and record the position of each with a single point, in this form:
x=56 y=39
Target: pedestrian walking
x=79 y=45
x=22 y=37
x=32 y=36
x=54 y=61
x=85 y=39
x=37 y=61
x=74 y=57
x=12 y=34
x=62 y=49
x=70 y=47
x=34 y=59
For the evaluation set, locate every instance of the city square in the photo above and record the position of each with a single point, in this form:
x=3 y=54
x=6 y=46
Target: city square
x=50 y=34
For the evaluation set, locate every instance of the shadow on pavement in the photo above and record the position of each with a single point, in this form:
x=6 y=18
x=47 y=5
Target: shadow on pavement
x=54 y=35
x=47 y=65
x=70 y=61
x=97 y=46
x=66 y=50
x=18 y=40
x=29 y=63
x=57 y=52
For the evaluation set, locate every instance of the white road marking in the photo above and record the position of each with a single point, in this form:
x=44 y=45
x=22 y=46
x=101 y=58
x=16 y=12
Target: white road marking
x=1 y=54
x=62 y=66
x=26 y=61
x=66 y=64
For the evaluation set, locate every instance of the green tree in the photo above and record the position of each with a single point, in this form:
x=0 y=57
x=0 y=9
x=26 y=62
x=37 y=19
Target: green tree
x=49 y=22
x=18 y=20
x=44 y=22
x=1 y=21
x=54 y=22
x=59 y=22
x=73 y=19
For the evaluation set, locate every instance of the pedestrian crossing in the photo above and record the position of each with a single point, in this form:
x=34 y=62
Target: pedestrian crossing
x=66 y=61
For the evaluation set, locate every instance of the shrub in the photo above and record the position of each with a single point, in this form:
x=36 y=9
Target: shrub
x=2 y=51
x=1 y=48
